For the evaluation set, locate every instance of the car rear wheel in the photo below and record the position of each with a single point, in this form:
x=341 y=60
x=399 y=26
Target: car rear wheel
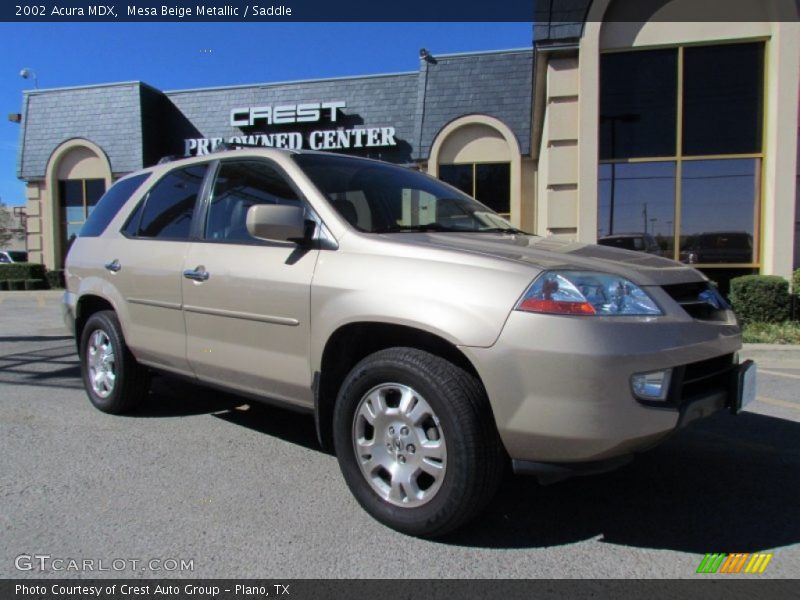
x=114 y=381
x=416 y=441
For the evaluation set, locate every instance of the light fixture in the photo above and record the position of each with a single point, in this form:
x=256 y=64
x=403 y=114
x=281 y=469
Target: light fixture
x=27 y=73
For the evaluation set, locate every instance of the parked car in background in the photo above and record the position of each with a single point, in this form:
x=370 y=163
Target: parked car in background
x=718 y=247
x=432 y=347
x=13 y=256
x=640 y=242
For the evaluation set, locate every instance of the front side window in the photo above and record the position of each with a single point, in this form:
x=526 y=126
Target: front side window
x=681 y=152
x=167 y=209
x=238 y=186
x=380 y=198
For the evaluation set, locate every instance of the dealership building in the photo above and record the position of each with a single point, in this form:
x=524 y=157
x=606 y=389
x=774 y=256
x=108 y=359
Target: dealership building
x=618 y=125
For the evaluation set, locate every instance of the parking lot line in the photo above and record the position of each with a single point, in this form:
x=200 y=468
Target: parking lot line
x=777 y=402
x=779 y=374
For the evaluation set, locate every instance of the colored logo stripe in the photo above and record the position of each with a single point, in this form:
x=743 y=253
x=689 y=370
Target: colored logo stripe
x=711 y=563
x=734 y=563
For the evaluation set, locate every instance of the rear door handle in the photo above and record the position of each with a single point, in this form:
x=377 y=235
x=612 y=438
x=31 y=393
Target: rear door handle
x=113 y=266
x=198 y=274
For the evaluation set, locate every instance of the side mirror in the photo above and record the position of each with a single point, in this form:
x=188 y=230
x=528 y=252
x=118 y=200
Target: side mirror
x=276 y=222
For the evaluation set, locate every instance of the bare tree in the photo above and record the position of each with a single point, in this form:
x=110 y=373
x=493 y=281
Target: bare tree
x=8 y=226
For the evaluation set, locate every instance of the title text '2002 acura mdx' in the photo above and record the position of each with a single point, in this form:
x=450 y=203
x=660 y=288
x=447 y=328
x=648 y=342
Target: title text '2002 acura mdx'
x=430 y=339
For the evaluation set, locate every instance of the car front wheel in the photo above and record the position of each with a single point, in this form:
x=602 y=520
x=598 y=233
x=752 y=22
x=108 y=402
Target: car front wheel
x=416 y=441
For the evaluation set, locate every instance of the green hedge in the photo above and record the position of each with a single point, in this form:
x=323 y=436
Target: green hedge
x=796 y=282
x=35 y=284
x=22 y=271
x=763 y=298
x=55 y=279
x=16 y=284
x=3 y=285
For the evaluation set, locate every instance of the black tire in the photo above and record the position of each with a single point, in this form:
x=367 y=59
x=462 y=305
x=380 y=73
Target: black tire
x=131 y=381
x=475 y=458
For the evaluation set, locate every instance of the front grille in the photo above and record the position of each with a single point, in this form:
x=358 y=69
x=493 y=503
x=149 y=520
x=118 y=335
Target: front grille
x=687 y=295
x=705 y=377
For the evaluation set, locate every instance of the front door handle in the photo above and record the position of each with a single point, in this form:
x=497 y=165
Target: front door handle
x=113 y=266
x=197 y=274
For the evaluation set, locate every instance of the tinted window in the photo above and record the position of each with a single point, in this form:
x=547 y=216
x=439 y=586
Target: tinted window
x=493 y=186
x=70 y=192
x=718 y=208
x=722 y=98
x=169 y=205
x=490 y=183
x=459 y=176
x=638 y=198
x=109 y=205
x=238 y=186
x=638 y=103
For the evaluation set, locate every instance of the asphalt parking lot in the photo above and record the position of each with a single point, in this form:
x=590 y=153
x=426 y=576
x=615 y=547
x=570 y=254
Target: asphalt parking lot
x=245 y=491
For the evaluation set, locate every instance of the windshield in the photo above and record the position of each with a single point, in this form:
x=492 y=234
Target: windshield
x=380 y=198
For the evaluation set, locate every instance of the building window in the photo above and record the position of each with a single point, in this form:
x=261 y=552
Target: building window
x=77 y=198
x=681 y=152
x=489 y=183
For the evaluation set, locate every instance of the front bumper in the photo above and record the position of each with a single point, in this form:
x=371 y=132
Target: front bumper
x=560 y=386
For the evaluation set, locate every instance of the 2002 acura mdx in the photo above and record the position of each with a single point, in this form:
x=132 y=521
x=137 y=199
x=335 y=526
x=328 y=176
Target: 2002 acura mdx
x=430 y=339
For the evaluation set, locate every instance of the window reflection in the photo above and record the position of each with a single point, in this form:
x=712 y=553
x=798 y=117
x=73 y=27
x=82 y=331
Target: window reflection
x=722 y=99
x=637 y=207
x=638 y=103
x=718 y=211
x=77 y=198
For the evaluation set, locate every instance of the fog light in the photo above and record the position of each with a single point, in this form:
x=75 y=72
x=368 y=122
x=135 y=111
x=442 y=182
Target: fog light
x=651 y=386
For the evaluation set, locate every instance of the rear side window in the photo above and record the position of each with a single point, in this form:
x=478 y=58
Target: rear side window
x=108 y=206
x=166 y=212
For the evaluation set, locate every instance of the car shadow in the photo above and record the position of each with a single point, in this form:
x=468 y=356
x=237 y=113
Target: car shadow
x=725 y=484
x=728 y=484
x=54 y=365
x=174 y=397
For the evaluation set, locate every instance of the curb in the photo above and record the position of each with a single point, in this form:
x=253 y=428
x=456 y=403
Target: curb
x=30 y=293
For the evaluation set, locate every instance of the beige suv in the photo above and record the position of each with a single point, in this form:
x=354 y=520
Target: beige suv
x=431 y=340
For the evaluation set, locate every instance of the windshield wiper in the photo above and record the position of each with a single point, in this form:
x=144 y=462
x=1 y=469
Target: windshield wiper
x=412 y=228
x=502 y=230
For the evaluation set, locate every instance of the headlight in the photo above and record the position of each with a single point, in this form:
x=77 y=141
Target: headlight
x=586 y=293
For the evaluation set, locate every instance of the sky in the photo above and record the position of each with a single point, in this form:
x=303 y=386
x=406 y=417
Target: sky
x=173 y=56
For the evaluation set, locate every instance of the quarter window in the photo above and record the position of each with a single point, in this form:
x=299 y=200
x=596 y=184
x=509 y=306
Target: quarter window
x=108 y=206
x=166 y=212
x=238 y=186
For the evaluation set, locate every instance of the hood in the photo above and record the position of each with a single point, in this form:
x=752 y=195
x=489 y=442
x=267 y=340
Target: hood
x=546 y=253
